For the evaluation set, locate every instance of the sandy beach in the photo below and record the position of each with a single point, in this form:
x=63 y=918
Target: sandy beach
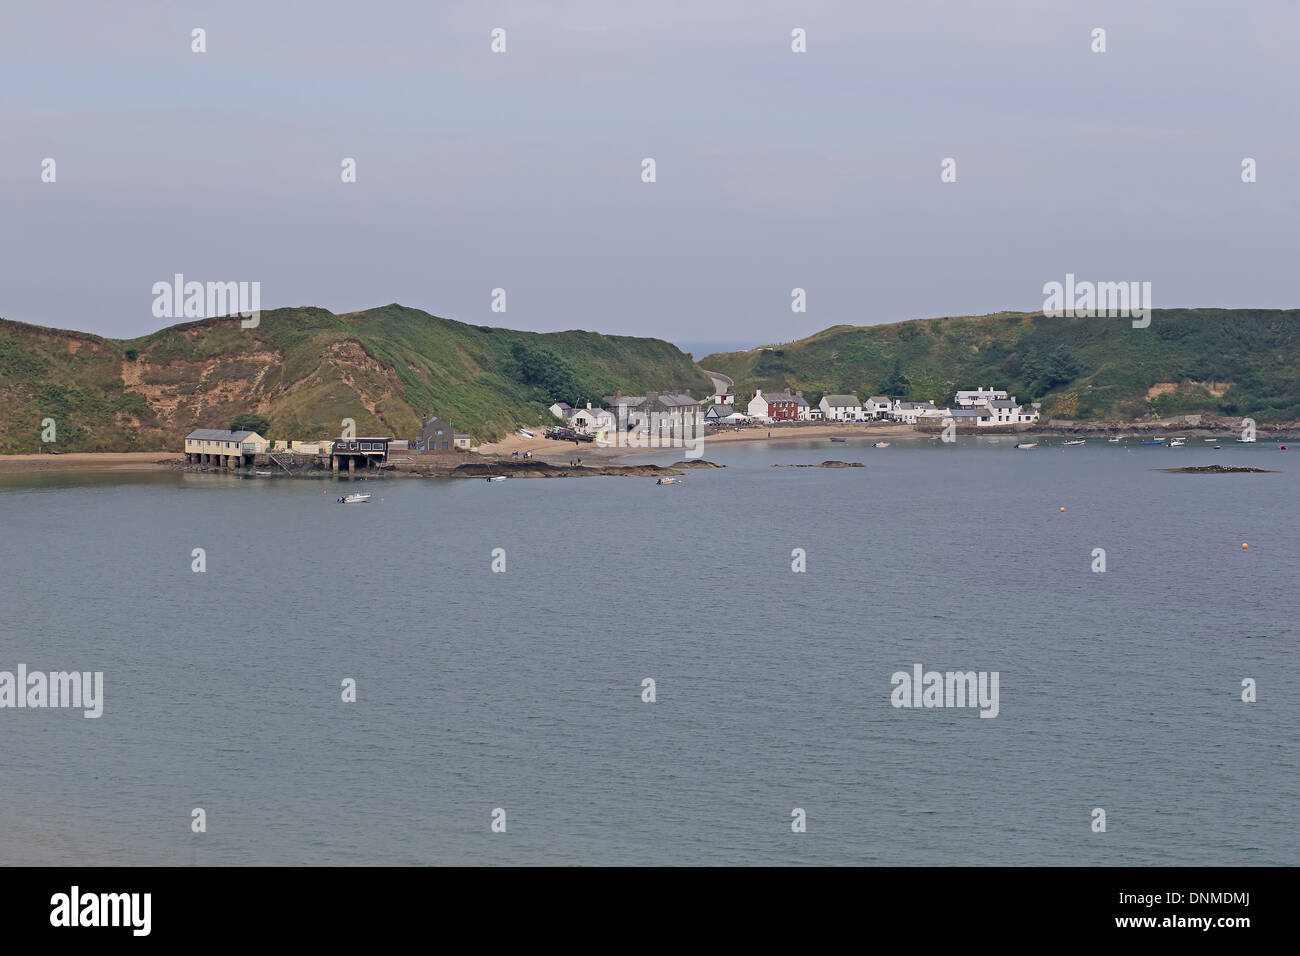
x=89 y=461
x=549 y=450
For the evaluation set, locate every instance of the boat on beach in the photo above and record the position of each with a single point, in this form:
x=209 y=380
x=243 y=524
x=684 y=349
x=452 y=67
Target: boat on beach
x=354 y=499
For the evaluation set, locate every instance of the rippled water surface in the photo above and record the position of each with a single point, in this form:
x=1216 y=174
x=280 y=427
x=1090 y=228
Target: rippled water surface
x=522 y=690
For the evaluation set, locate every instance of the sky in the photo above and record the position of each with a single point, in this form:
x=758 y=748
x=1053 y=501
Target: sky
x=523 y=170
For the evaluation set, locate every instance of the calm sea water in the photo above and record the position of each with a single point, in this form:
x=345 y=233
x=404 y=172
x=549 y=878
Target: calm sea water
x=522 y=690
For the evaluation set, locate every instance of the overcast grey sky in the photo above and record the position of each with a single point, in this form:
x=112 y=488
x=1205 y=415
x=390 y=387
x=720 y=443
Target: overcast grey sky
x=522 y=170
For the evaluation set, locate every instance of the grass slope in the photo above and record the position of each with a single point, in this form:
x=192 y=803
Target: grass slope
x=306 y=370
x=1220 y=361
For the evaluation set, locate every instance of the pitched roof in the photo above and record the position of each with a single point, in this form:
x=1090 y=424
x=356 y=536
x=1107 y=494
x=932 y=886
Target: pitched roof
x=878 y=400
x=842 y=400
x=676 y=400
x=218 y=434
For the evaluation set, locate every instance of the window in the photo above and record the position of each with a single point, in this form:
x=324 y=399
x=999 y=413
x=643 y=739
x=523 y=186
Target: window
x=365 y=446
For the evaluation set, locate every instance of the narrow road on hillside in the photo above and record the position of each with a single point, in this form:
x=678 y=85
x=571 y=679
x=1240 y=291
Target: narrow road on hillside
x=720 y=382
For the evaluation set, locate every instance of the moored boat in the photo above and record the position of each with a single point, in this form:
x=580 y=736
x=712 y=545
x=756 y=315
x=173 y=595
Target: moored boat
x=881 y=444
x=1027 y=444
x=839 y=439
x=497 y=477
x=1075 y=441
x=669 y=480
x=1160 y=442
x=354 y=499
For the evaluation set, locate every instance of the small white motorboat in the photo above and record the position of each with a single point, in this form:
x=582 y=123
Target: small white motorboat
x=1075 y=441
x=1115 y=440
x=670 y=480
x=1027 y=444
x=1177 y=443
x=264 y=474
x=354 y=499
x=1245 y=441
x=881 y=444
x=497 y=477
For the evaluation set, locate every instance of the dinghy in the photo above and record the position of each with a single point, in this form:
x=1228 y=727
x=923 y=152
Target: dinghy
x=1027 y=444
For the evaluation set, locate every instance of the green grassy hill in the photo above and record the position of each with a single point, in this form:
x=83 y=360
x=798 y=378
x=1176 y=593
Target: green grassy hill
x=306 y=370
x=1220 y=361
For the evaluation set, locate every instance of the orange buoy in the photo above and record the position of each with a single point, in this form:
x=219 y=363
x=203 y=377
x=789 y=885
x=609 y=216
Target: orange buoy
x=1244 y=546
x=1062 y=510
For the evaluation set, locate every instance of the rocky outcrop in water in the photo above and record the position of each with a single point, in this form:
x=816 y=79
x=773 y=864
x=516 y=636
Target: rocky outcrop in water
x=827 y=464
x=1217 y=470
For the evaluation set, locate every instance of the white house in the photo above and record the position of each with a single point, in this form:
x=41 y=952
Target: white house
x=841 y=408
x=969 y=398
x=994 y=412
x=802 y=410
x=583 y=419
x=562 y=410
x=877 y=406
x=1005 y=411
x=910 y=412
x=723 y=398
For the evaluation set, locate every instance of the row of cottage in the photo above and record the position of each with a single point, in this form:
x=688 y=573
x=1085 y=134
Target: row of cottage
x=982 y=407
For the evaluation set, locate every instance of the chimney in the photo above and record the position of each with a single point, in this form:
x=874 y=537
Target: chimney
x=799 y=393
x=589 y=404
